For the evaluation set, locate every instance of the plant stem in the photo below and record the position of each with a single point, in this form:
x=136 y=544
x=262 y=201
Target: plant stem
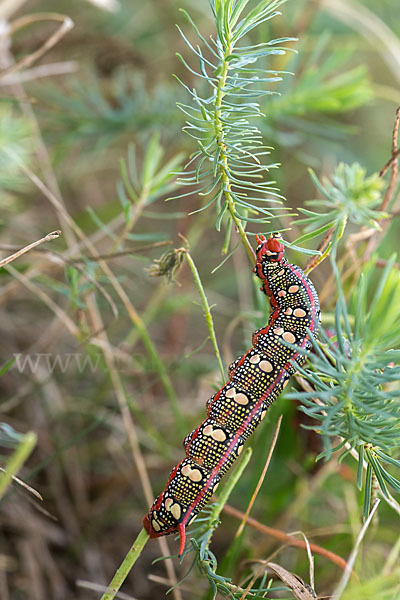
x=223 y=162
x=207 y=313
x=126 y=565
x=47 y=238
x=16 y=460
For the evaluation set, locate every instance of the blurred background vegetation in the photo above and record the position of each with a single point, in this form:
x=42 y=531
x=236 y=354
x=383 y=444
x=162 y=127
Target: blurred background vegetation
x=113 y=366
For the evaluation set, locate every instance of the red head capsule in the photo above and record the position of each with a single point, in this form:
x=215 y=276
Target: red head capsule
x=270 y=249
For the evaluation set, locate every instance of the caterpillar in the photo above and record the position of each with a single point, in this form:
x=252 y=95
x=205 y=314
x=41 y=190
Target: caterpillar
x=255 y=380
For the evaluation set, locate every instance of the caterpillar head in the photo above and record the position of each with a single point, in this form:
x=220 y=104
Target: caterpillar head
x=269 y=250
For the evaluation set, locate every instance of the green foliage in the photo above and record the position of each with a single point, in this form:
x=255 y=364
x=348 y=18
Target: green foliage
x=7 y=366
x=16 y=146
x=227 y=168
x=322 y=87
x=24 y=444
x=306 y=112
x=355 y=374
x=156 y=179
x=351 y=196
x=96 y=115
x=139 y=189
x=384 y=587
x=9 y=438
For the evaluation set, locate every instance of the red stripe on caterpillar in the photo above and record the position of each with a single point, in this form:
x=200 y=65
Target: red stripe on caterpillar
x=255 y=381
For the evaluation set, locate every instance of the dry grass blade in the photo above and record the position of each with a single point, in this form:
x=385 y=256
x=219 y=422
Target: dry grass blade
x=47 y=238
x=49 y=70
x=350 y=563
x=96 y=587
x=25 y=485
x=309 y=554
x=27 y=61
x=301 y=590
x=126 y=252
x=9 y=7
x=109 y=5
x=49 y=302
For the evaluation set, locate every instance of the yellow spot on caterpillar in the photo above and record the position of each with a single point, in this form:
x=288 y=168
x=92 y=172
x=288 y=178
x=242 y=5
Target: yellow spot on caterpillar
x=176 y=511
x=285 y=384
x=192 y=519
x=282 y=293
x=208 y=430
x=289 y=337
x=288 y=311
x=241 y=399
x=195 y=475
x=255 y=359
x=219 y=434
x=266 y=366
x=278 y=331
x=281 y=272
x=239 y=450
x=215 y=487
x=264 y=412
x=168 y=503
x=293 y=289
x=231 y=393
x=155 y=525
x=299 y=312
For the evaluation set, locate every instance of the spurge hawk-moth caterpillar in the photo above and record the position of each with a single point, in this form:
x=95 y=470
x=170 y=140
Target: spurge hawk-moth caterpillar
x=255 y=380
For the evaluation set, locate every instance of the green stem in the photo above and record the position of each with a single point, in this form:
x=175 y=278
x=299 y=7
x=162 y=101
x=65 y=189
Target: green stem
x=223 y=162
x=207 y=313
x=122 y=572
x=16 y=460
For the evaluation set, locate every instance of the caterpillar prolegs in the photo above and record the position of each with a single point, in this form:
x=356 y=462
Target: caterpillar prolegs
x=255 y=380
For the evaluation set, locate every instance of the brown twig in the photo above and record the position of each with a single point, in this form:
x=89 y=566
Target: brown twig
x=68 y=323
x=47 y=238
x=27 y=61
x=324 y=244
x=48 y=70
x=284 y=537
x=392 y=162
x=127 y=252
x=25 y=485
